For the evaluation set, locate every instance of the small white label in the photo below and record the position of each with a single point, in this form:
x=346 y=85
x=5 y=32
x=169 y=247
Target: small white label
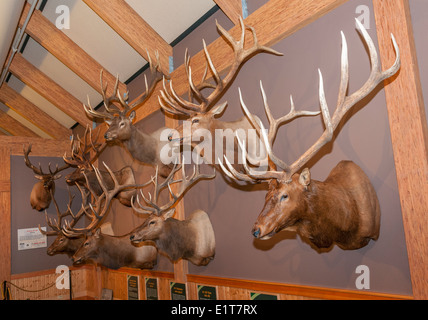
x=31 y=238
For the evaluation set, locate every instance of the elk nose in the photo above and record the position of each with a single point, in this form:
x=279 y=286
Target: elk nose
x=256 y=232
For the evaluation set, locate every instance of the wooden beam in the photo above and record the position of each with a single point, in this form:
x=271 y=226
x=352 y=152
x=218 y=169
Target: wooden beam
x=14 y=127
x=32 y=113
x=133 y=29
x=49 y=89
x=68 y=52
x=285 y=18
x=5 y=232
x=231 y=8
x=409 y=133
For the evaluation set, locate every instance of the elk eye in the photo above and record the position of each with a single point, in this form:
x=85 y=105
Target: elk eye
x=195 y=121
x=122 y=125
x=284 y=197
x=152 y=223
x=86 y=244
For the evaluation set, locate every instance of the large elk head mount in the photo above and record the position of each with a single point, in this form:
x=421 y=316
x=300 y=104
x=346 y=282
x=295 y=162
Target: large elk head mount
x=202 y=109
x=191 y=239
x=119 y=117
x=84 y=152
x=43 y=190
x=342 y=210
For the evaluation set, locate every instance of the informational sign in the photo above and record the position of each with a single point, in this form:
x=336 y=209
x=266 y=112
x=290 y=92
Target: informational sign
x=262 y=296
x=207 y=292
x=133 y=292
x=178 y=291
x=152 y=289
x=31 y=238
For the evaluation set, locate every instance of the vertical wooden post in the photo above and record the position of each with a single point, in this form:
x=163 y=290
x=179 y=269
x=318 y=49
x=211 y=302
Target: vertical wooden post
x=5 y=236
x=408 y=125
x=181 y=267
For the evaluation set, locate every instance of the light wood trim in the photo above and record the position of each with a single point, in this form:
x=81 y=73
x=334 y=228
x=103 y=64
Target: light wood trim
x=41 y=147
x=231 y=8
x=296 y=290
x=133 y=29
x=5 y=219
x=67 y=51
x=49 y=89
x=14 y=127
x=285 y=18
x=32 y=113
x=181 y=267
x=408 y=125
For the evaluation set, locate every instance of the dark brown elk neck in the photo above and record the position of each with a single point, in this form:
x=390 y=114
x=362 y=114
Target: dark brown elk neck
x=142 y=146
x=176 y=239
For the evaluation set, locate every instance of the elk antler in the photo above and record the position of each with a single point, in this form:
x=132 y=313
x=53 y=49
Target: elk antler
x=344 y=104
x=111 y=108
x=152 y=203
x=97 y=211
x=39 y=171
x=176 y=105
x=56 y=224
x=81 y=150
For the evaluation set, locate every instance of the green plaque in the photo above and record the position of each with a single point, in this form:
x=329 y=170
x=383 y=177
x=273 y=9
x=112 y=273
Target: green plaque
x=207 y=292
x=133 y=292
x=262 y=296
x=178 y=291
x=152 y=289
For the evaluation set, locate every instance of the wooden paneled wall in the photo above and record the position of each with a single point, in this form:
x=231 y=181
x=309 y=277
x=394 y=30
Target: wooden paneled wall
x=88 y=281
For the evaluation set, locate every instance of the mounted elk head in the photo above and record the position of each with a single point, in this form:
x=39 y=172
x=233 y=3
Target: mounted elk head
x=143 y=147
x=83 y=155
x=42 y=192
x=191 y=239
x=343 y=209
x=202 y=114
x=100 y=248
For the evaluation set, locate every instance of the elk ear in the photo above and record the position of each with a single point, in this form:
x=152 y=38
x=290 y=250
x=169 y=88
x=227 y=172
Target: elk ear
x=219 y=109
x=109 y=122
x=168 y=214
x=38 y=177
x=305 y=178
x=131 y=116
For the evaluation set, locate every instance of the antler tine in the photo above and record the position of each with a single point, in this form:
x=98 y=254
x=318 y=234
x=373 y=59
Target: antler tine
x=345 y=103
x=185 y=184
x=240 y=56
x=55 y=224
x=156 y=76
x=96 y=114
x=273 y=124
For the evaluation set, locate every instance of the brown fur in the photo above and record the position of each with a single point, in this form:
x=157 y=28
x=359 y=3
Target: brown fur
x=191 y=239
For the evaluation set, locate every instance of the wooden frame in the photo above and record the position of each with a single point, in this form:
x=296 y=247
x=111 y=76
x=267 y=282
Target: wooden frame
x=406 y=115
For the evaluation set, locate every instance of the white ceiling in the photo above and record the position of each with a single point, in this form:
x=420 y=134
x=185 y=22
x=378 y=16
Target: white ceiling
x=169 y=18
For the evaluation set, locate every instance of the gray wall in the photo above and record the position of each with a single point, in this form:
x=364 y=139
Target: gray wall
x=23 y=216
